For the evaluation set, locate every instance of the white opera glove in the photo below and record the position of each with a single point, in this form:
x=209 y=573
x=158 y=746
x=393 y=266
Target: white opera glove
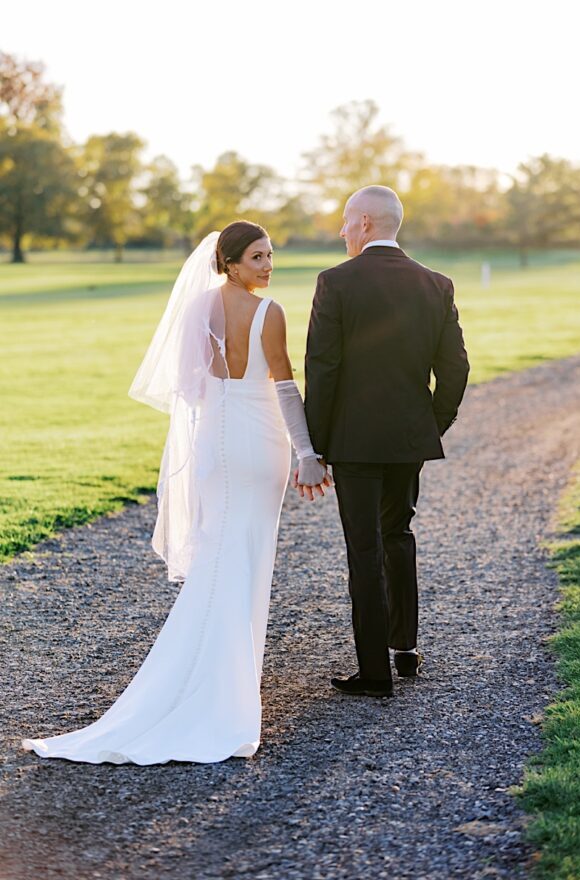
x=310 y=471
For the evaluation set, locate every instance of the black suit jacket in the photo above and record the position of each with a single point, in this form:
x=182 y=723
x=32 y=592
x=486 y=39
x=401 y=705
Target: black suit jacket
x=380 y=324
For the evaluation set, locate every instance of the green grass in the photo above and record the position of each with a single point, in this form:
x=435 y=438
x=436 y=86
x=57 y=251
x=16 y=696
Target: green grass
x=74 y=445
x=551 y=789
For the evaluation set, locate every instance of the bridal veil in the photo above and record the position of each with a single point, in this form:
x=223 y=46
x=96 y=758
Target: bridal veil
x=188 y=346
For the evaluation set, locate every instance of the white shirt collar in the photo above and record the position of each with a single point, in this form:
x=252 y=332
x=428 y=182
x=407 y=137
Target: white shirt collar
x=383 y=242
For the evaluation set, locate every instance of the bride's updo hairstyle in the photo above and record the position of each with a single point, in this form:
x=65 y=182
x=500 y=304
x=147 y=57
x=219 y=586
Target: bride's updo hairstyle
x=234 y=240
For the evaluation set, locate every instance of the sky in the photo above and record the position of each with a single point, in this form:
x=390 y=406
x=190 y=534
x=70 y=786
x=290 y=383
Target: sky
x=489 y=84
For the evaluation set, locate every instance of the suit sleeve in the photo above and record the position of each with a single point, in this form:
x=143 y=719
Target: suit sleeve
x=450 y=367
x=322 y=365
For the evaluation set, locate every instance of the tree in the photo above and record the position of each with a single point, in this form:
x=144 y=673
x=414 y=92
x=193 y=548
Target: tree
x=233 y=189
x=290 y=220
x=37 y=185
x=167 y=213
x=459 y=205
x=109 y=167
x=543 y=204
x=25 y=98
x=358 y=152
x=37 y=174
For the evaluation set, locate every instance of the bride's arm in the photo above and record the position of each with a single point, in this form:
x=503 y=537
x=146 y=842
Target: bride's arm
x=310 y=471
x=274 y=343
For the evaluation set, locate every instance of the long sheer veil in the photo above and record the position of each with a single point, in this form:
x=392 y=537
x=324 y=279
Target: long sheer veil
x=188 y=346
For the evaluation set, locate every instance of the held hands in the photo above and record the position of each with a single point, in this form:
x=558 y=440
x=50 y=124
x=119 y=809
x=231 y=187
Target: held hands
x=311 y=476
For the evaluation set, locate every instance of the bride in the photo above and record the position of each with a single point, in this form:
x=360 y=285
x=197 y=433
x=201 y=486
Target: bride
x=218 y=364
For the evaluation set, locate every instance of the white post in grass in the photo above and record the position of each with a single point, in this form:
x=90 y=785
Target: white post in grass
x=485 y=275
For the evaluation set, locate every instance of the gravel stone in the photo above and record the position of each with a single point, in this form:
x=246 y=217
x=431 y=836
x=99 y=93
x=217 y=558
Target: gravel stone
x=413 y=787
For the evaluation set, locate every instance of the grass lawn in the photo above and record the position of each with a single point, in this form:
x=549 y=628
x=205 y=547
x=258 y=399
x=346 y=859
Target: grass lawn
x=551 y=787
x=74 y=445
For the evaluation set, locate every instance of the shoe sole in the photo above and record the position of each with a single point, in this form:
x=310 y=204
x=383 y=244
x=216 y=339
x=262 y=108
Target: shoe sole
x=376 y=694
x=414 y=674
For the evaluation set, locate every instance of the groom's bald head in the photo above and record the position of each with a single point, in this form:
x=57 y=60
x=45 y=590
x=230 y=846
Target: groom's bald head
x=373 y=212
x=382 y=205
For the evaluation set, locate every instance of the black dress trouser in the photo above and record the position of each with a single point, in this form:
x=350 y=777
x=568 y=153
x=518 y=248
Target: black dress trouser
x=376 y=504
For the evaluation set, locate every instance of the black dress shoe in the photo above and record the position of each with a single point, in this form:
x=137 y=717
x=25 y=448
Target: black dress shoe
x=408 y=665
x=355 y=686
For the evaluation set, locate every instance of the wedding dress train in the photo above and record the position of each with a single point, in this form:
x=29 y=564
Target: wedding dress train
x=196 y=697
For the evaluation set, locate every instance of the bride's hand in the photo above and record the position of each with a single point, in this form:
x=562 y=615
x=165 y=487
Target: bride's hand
x=308 y=471
x=310 y=492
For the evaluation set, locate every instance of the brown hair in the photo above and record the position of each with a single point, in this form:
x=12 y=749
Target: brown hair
x=234 y=240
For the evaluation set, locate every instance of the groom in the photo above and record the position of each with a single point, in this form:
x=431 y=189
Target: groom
x=381 y=323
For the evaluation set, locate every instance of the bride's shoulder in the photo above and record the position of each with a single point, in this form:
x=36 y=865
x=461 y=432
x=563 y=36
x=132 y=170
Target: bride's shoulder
x=274 y=311
x=275 y=317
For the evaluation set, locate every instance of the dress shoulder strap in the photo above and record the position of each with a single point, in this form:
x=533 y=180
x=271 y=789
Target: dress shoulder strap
x=257 y=366
x=260 y=316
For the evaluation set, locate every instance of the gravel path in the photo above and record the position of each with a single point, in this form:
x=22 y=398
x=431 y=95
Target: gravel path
x=415 y=787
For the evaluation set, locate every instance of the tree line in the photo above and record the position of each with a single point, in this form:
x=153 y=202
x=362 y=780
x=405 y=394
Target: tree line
x=101 y=193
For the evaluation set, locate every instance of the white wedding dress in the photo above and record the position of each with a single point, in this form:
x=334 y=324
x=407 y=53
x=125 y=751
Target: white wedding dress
x=196 y=696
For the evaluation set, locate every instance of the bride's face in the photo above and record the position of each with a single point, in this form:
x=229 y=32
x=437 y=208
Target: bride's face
x=255 y=267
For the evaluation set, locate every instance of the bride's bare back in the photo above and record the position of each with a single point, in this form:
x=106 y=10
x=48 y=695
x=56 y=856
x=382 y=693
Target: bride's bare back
x=239 y=309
